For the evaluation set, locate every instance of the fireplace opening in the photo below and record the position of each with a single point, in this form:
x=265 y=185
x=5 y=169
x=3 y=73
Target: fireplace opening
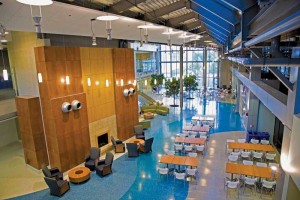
x=102 y=140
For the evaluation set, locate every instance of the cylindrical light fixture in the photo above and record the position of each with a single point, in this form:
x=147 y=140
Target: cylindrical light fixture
x=107 y=83
x=40 y=77
x=89 y=82
x=122 y=82
x=62 y=80
x=76 y=105
x=97 y=82
x=129 y=82
x=5 y=74
x=67 y=80
x=146 y=82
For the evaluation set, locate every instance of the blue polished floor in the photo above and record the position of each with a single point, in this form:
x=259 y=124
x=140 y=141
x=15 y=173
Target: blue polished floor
x=136 y=178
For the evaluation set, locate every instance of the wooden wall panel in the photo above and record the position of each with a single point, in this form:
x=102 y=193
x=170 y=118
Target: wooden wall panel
x=32 y=132
x=67 y=134
x=126 y=107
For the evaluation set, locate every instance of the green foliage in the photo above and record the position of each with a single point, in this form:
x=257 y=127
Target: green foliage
x=190 y=83
x=159 y=79
x=172 y=88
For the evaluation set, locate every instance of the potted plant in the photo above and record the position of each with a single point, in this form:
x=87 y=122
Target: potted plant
x=172 y=89
x=157 y=81
x=190 y=84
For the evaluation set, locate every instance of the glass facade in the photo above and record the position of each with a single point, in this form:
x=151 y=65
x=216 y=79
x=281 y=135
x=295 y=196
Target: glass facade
x=193 y=63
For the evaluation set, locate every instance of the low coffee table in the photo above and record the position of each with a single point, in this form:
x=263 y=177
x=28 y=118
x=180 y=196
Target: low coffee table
x=79 y=174
x=139 y=142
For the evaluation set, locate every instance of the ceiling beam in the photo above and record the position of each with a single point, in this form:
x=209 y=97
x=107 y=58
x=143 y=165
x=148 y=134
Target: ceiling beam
x=168 y=9
x=239 y=5
x=216 y=30
x=191 y=26
x=124 y=5
x=278 y=11
x=218 y=10
x=204 y=14
x=180 y=19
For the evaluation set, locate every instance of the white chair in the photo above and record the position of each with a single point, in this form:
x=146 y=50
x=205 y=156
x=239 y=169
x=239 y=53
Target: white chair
x=179 y=176
x=257 y=155
x=247 y=162
x=171 y=152
x=182 y=135
x=200 y=148
x=192 y=136
x=261 y=164
x=202 y=133
x=232 y=185
x=194 y=122
x=188 y=148
x=241 y=140
x=163 y=171
x=206 y=126
x=193 y=133
x=178 y=147
x=245 y=155
x=268 y=185
x=265 y=142
x=254 y=141
x=192 y=154
x=203 y=137
x=233 y=158
x=235 y=153
x=251 y=182
x=270 y=156
x=185 y=132
x=274 y=166
x=191 y=172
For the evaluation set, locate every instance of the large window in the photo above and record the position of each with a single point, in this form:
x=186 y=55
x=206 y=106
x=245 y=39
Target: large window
x=193 y=63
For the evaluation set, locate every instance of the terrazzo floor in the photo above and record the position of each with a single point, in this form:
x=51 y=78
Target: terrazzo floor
x=136 y=178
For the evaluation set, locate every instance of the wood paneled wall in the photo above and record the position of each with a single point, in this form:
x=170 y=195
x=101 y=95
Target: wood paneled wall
x=32 y=132
x=98 y=66
x=67 y=134
x=126 y=107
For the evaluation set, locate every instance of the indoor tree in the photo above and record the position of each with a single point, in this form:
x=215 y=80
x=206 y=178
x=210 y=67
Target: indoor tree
x=190 y=84
x=172 y=89
x=157 y=81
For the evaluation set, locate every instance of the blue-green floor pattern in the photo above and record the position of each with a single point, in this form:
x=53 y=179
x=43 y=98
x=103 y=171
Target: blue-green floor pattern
x=136 y=178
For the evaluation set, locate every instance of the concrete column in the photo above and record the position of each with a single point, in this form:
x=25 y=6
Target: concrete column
x=181 y=75
x=205 y=69
x=253 y=101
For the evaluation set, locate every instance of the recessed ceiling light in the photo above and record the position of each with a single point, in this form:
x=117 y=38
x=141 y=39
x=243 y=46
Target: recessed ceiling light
x=36 y=2
x=107 y=18
x=208 y=41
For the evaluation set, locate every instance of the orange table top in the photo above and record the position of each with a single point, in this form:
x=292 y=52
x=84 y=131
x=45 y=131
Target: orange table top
x=179 y=160
x=249 y=146
x=250 y=170
x=166 y=159
x=190 y=161
x=138 y=141
x=190 y=140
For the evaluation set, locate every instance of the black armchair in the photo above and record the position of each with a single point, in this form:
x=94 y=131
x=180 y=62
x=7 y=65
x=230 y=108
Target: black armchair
x=103 y=167
x=132 y=149
x=57 y=187
x=147 y=147
x=118 y=145
x=139 y=133
x=52 y=173
x=92 y=159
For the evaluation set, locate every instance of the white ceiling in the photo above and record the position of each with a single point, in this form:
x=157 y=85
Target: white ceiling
x=60 y=18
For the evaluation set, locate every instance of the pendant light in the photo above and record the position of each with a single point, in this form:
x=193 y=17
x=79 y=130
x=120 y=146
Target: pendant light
x=108 y=18
x=37 y=18
x=5 y=73
x=94 y=39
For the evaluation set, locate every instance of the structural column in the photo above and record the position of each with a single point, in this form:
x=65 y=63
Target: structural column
x=181 y=75
x=204 y=69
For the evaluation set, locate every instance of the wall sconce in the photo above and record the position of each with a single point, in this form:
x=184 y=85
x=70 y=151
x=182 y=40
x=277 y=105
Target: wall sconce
x=67 y=80
x=117 y=82
x=122 y=82
x=134 y=83
x=76 y=105
x=89 y=82
x=126 y=92
x=66 y=107
x=97 y=83
x=129 y=82
x=40 y=78
x=5 y=75
x=62 y=80
x=107 y=83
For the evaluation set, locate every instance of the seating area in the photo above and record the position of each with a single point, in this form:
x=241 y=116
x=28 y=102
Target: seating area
x=158 y=109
